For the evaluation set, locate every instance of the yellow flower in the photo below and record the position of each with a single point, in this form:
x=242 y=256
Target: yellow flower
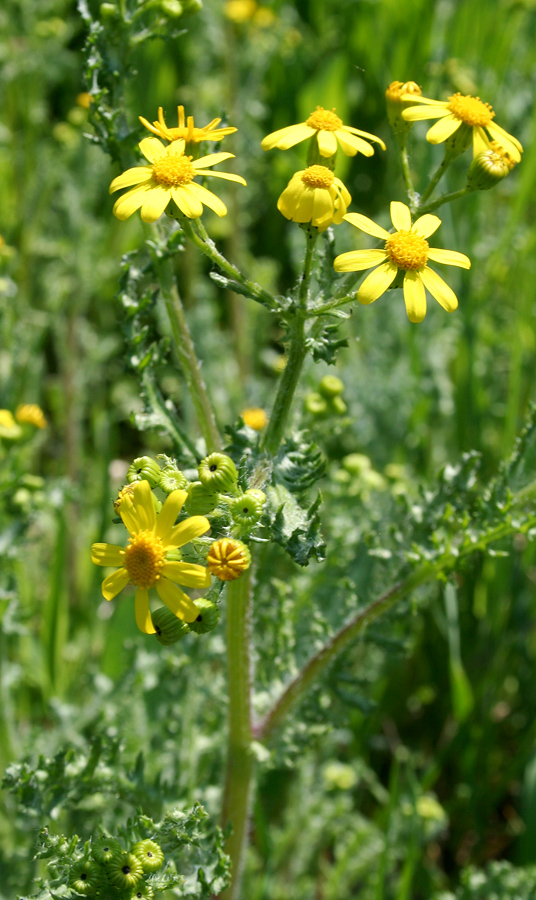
x=32 y=414
x=186 y=130
x=228 y=558
x=84 y=100
x=169 y=177
x=240 y=10
x=462 y=110
x=406 y=250
x=6 y=419
x=330 y=131
x=255 y=417
x=314 y=195
x=397 y=89
x=145 y=563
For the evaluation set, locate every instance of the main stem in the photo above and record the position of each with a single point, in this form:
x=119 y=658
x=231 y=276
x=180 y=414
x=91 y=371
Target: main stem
x=240 y=762
x=436 y=178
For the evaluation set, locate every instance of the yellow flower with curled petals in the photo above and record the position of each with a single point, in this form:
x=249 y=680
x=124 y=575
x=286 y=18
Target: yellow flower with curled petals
x=314 y=195
x=461 y=111
x=186 y=130
x=228 y=558
x=170 y=176
x=144 y=561
x=31 y=414
x=406 y=250
x=331 y=132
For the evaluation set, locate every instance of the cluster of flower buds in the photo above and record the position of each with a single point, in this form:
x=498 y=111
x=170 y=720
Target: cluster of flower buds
x=326 y=400
x=110 y=872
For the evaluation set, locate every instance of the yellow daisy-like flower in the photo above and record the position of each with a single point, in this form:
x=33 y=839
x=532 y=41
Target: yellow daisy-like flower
x=186 y=130
x=169 y=177
x=255 y=417
x=31 y=414
x=144 y=563
x=406 y=250
x=6 y=419
x=315 y=195
x=331 y=133
x=461 y=110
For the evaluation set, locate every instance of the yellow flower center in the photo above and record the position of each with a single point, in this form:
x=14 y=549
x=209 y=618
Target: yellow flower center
x=173 y=169
x=471 y=110
x=324 y=120
x=318 y=177
x=144 y=557
x=407 y=250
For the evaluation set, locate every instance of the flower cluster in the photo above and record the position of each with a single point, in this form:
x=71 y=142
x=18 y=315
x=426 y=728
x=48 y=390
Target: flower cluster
x=108 y=870
x=26 y=414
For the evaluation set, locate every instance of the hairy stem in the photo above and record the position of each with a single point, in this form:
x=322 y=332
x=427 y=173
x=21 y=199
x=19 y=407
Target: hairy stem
x=240 y=761
x=408 y=180
x=436 y=178
x=446 y=198
x=297 y=353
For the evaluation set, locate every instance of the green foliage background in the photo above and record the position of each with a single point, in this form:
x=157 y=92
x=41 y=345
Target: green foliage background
x=414 y=758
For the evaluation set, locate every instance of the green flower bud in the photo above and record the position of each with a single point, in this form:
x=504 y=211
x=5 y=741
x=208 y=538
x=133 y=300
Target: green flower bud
x=192 y=6
x=172 y=479
x=171 y=8
x=338 y=406
x=104 y=849
x=246 y=510
x=125 y=871
x=218 y=472
x=330 y=386
x=144 y=469
x=315 y=404
x=149 y=852
x=258 y=494
x=144 y=892
x=200 y=500
x=489 y=167
x=208 y=618
x=169 y=630
x=356 y=463
x=108 y=12
x=84 y=876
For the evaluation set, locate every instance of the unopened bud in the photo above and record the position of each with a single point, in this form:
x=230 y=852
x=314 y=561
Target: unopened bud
x=316 y=404
x=172 y=8
x=246 y=510
x=201 y=500
x=330 y=386
x=338 y=406
x=218 y=472
x=148 y=852
x=192 y=6
x=396 y=105
x=489 y=167
x=109 y=12
x=169 y=629
x=104 y=849
x=208 y=618
x=172 y=479
x=228 y=558
x=144 y=469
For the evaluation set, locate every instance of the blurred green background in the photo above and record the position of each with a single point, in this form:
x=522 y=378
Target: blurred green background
x=429 y=763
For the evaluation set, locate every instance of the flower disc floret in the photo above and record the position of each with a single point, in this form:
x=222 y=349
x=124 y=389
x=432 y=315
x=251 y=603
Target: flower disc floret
x=318 y=177
x=471 y=110
x=407 y=250
x=144 y=557
x=173 y=170
x=324 y=120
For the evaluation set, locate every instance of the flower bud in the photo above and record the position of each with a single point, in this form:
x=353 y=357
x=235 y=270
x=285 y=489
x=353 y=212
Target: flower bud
x=192 y=6
x=172 y=8
x=489 y=167
x=125 y=871
x=109 y=12
x=330 y=386
x=84 y=876
x=218 y=472
x=395 y=106
x=148 y=852
x=104 y=849
x=169 y=630
x=201 y=500
x=315 y=404
x=228 y=558
x=30 y=414
x=8 y=427
x=172 y=479
x=255 y=418
x=144 y=469
x=338 y=406
x=246 y=510
x=208 y=618
x=143 y=891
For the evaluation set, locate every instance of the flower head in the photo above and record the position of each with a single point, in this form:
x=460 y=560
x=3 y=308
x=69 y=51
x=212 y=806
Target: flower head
x=406 y=250
x=228 y=558
x=31 y=414
x=186 y=130
x=240 y=10
x=331 y=132
x=489 y=167
x=461 y=112
x=254 y=417
x=145 y=561
x=314 y=195
x=170 y=176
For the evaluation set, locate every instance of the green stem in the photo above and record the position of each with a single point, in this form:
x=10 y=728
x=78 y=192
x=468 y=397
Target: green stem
x=198 y=235
x=436 y=178
x=297 y=353
x=408 y=181
x=156 y=401
x=446 y=198
x=240 y=761
x=186 y=353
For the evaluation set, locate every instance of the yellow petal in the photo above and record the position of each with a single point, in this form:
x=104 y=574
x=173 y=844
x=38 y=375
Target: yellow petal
x=480 y=141
x=155 y=204
x=209 y=199
x=450 y=258
x=107 y=555
x=131 y=201
x=377 y=283
x=400 y=216
x=350 y=144
x=227 y=176
x=426 y=225
x=211 y=160
x=144 y=504
x=443 y=129
x=143 y=613
x=132 y=176
x=357 y=260
x=415 y=297
x=176 y=600
x=188 y=574
x=438 y=289
x=168 y=515
x=367 y=225
x=186 y=531
x=327 y=143
x=510 y=143
x=287 y=137
x=418 y=113
x=322 y=207
x=187 y=201
x=426 y=100
x=115 y=583
x=152 y=148
x=130 y=515
x=364 y=134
